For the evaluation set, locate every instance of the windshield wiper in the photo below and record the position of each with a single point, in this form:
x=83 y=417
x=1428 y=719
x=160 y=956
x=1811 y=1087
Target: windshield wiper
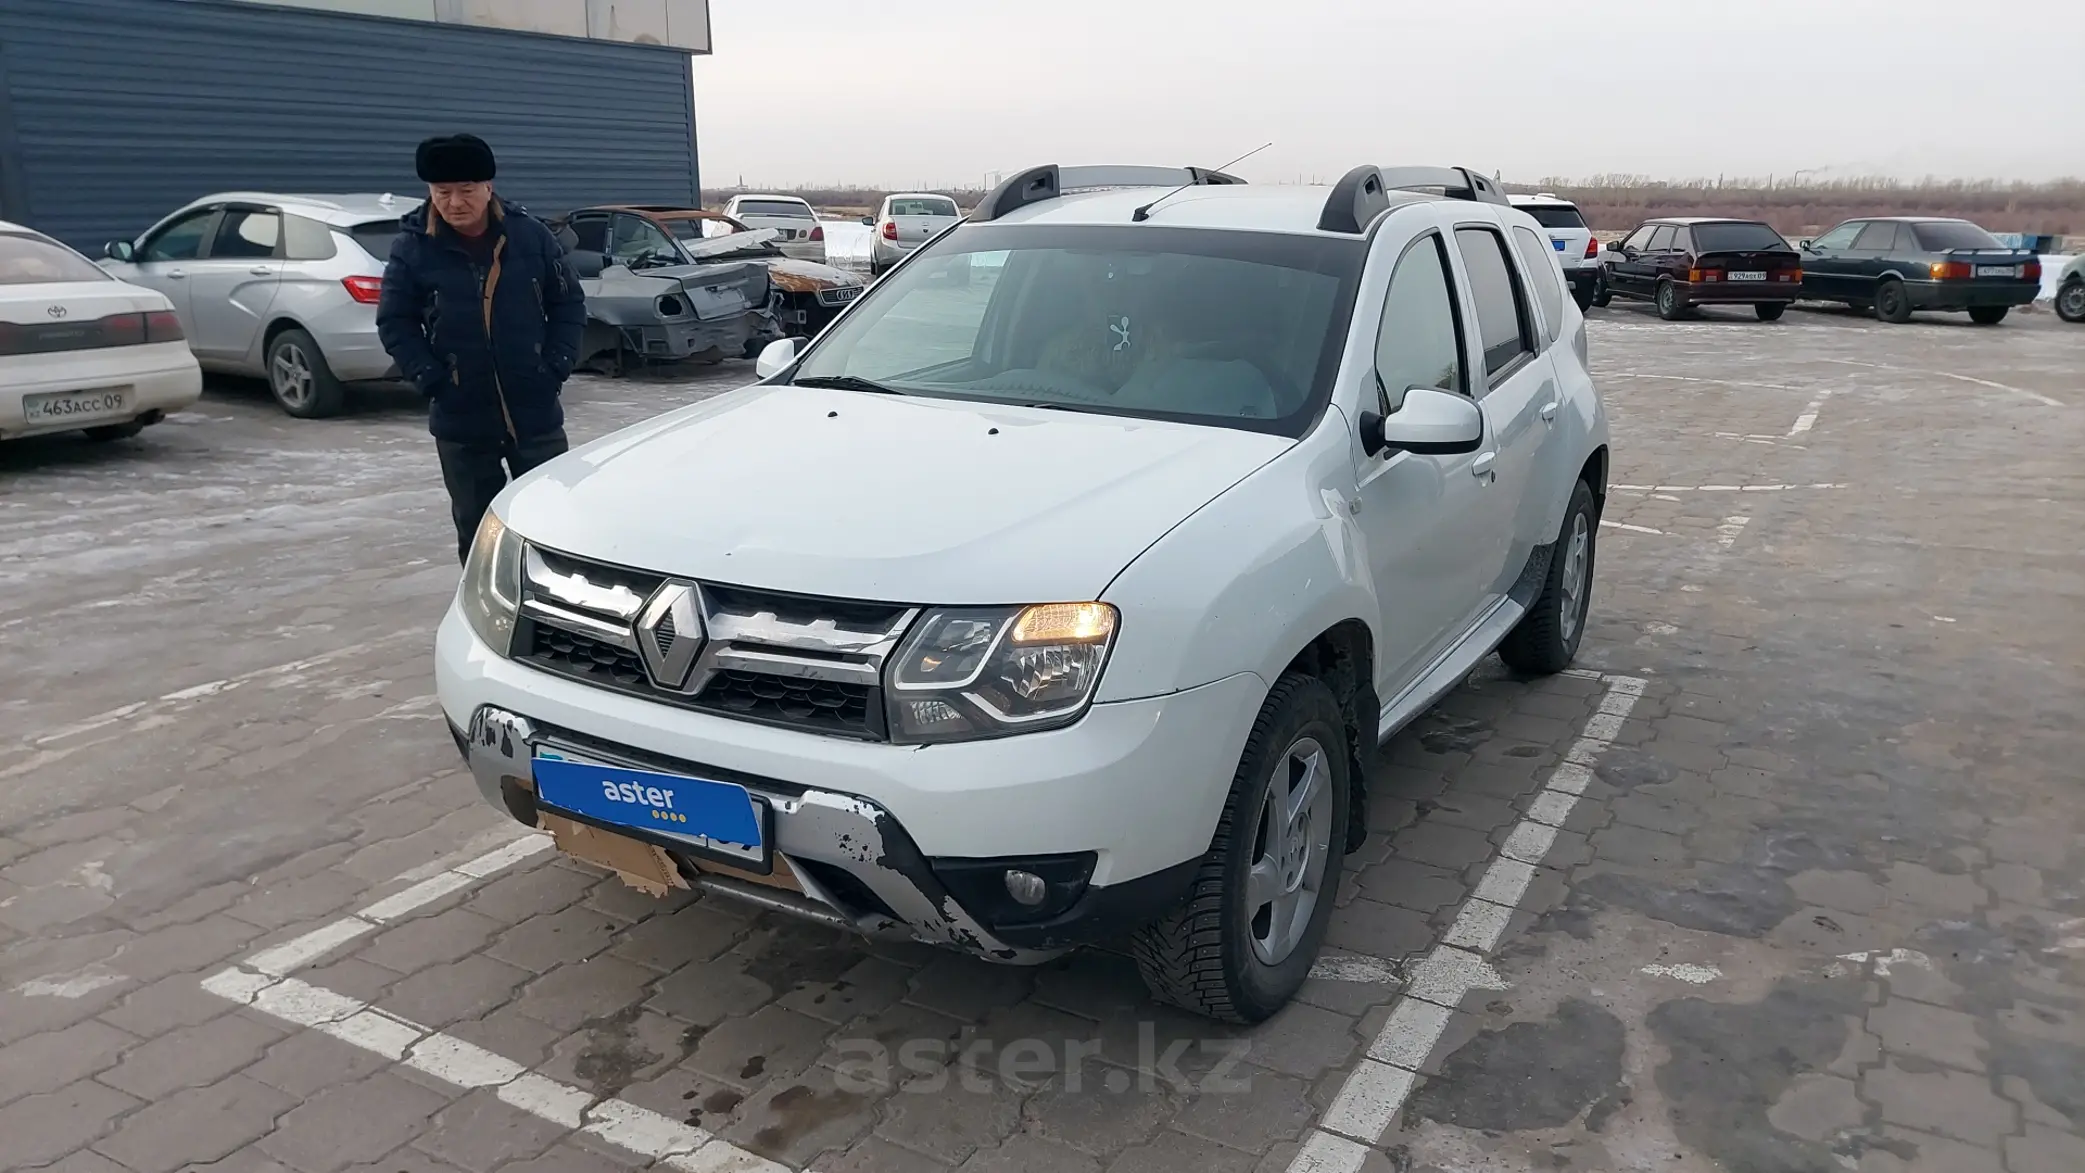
x=1080 y=408
x=847 y=383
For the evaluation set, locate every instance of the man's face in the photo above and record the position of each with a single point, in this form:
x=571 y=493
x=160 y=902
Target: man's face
x=461 y=204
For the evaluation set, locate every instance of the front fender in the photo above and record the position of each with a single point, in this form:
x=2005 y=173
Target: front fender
x=1245 y=583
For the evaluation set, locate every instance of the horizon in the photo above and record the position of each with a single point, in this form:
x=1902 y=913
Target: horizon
x=935 y=105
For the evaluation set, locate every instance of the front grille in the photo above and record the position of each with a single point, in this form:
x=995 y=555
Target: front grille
x=789 y=660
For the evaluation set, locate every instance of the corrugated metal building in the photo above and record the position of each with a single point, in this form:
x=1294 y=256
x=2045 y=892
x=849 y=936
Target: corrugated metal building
x=115 y=112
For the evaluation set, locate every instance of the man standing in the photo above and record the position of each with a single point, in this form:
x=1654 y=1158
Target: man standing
x=483 y=314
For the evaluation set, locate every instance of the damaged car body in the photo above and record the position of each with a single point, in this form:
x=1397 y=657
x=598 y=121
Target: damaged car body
x=660 y=241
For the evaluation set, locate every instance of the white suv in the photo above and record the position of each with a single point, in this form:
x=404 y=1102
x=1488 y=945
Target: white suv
x=1066 y=585
x=1576 y=250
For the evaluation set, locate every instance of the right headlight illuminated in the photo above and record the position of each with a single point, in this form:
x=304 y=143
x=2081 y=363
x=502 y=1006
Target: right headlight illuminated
x=970 y=673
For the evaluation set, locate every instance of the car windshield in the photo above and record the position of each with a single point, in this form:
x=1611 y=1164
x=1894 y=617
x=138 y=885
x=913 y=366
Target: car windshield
x=1237 y=329
x=375 y=236
x=1941 y=235
x=1738 y=236
x=33 y=260
x=919 y=207
x=774 y=208
x=1554 y=215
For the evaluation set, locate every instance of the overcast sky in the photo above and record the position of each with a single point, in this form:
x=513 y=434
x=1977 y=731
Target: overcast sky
x=896 y=94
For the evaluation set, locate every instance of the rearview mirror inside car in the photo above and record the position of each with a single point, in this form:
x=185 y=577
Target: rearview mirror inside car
x=776 y=356
x=118 y=250
x=1431 y=422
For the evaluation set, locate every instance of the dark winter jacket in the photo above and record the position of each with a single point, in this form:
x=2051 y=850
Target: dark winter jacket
x=489 y=345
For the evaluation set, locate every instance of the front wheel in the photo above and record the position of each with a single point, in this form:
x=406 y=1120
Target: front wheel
x=1546 y=638
x=1671 y=306
x=1987 y=315
x=1243 y=942
x=1892 y=303
x=1770 y=311
x=302 y=382
x=1601 y=293
x=2070 y=300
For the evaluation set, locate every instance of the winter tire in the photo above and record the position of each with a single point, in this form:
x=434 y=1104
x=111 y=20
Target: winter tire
x=1546 y=638
x=1244 y=940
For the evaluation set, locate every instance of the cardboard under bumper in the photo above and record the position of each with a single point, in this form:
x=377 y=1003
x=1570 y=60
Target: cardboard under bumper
x=645 y=866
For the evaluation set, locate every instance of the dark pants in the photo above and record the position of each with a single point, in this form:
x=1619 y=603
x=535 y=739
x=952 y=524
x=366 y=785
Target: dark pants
x=475 y=473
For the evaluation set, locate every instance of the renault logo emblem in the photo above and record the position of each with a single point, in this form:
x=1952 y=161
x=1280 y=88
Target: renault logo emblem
x=669 y=634
x=56 y=311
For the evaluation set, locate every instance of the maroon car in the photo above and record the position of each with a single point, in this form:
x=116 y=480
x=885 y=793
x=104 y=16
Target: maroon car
x=1681 y=262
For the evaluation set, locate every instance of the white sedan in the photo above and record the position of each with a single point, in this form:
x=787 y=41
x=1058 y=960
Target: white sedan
x=80 y=350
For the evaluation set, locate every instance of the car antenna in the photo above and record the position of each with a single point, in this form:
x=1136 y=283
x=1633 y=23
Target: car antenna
x=1144 y=213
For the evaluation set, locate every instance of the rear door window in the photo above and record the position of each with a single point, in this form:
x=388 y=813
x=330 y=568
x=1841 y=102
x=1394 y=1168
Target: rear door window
x=247 y=234
x=1502 y=318
x=1878 y=237
x=1543 y=274
x=375 y=237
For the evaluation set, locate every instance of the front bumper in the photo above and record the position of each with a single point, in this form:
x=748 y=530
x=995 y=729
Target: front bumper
x=892 y=839
x=1962 y=295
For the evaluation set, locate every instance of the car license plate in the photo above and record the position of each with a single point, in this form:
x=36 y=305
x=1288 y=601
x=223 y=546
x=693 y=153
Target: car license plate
x=1747 y=275
x=1998 y=270
x=84 y=406
x=1558 y=241
x=719 y=819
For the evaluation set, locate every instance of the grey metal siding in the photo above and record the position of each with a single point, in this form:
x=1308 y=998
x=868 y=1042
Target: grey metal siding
x=114 y=112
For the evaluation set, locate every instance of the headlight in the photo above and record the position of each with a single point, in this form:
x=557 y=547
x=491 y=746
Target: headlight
x=970 y=673
x=491 y=590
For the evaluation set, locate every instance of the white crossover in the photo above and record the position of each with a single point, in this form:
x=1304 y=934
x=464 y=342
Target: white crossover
x=1064 y=587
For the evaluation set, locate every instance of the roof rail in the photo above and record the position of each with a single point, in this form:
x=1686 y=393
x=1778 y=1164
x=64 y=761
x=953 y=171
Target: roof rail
x=1049 y=181
x=1364 y=193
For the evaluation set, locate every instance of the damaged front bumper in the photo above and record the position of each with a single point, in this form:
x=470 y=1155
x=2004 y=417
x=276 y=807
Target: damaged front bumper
x=838 y=859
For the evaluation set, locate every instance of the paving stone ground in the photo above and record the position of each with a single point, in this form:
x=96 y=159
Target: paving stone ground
x=1823 y=907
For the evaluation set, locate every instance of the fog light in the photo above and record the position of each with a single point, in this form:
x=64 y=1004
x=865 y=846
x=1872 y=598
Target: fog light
x=1026 y=887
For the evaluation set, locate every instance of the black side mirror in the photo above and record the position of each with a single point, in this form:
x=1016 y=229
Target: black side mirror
x=119 y=250
x=1614 y=246
x=868 y=221
x=1808 y=246
x=587 y=264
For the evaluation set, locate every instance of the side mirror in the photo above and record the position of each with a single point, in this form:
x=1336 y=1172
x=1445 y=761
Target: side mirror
x=868 y=221
x=119 y=250
x=588 y=265
x=1432 y=422
x=776 y=356
x=1614 y=246
x=1807 y=247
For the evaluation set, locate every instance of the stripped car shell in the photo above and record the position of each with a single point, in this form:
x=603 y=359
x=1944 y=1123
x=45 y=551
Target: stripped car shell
x=807 y=295
x=676 y=312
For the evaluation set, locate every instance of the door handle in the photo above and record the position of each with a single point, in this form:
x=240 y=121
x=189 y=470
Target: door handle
x=1481 y=467
x=177 y=273
x=1549 y=411
x=261 y=271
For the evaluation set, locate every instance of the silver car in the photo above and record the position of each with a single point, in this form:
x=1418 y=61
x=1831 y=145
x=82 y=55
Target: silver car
x=277 y=286
x=904 y=222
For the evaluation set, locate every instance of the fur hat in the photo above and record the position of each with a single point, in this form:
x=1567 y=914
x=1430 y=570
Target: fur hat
x=456 y=158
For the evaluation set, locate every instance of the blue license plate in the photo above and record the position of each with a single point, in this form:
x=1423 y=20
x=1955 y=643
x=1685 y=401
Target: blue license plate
x=717 y=817
x=1558 y=243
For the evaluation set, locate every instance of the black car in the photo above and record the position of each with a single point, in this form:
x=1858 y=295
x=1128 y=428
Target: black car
x=1680 y=262
x=1896 y=265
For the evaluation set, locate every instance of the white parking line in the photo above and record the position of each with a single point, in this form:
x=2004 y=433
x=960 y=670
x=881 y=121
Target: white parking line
x=262 y=981
x=1376 y=1090
x=2037 y=396
x=1634 y=529
x=1692 y=379
x=1727 y=533
x=1808 y=419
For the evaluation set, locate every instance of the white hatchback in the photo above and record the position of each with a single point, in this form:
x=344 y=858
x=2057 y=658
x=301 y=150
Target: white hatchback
x=80 y=350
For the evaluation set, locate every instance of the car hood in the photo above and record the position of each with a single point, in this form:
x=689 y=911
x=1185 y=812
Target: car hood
x=863 y=496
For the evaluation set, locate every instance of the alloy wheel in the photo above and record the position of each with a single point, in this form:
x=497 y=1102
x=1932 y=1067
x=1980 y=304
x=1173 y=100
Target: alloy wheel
x=2070 y=301
x=1577 y=552
x=291 y=376
x=1291 y=849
